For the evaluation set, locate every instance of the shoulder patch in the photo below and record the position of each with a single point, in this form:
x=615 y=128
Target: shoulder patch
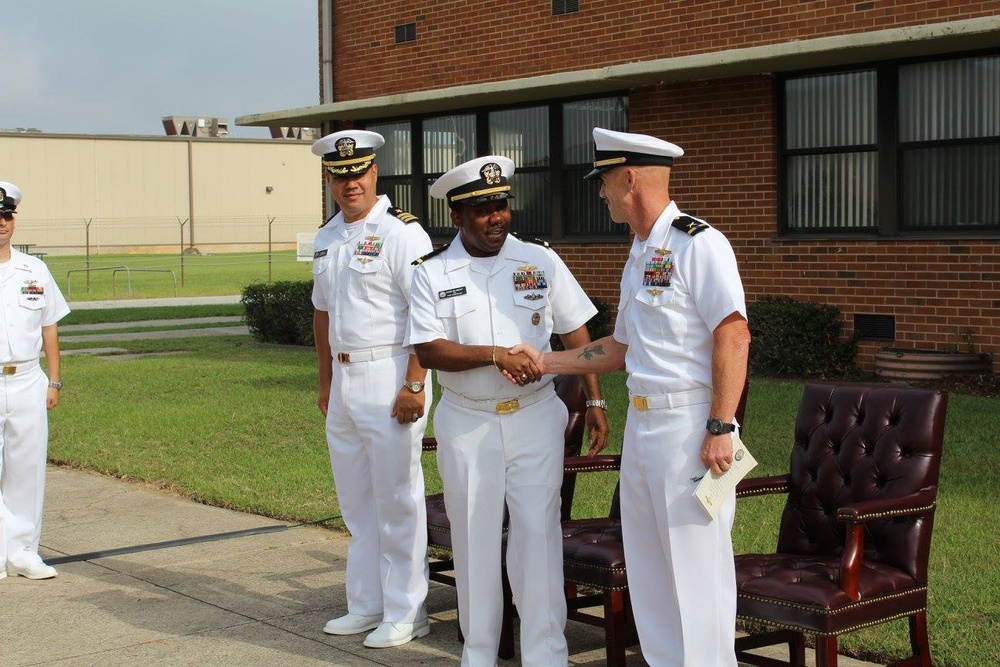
x=405 y=216
x=689 y=225
x=420 y=260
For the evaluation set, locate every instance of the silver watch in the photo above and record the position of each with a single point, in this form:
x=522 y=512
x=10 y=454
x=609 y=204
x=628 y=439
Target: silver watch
x=416 y=386
x=598 y=403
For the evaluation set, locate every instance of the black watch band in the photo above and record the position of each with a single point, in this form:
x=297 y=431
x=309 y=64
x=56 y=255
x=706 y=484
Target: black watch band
x=716 y=426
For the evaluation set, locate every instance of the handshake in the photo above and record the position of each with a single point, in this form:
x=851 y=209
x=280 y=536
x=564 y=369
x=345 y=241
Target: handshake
x=521 y=364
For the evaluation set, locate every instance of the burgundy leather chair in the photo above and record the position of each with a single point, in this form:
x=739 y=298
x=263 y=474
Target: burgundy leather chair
x=855 y=533
x=594 y=558
x=569 y=388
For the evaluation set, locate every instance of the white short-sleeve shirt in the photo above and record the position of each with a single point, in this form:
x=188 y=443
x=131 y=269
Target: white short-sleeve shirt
x=522 y=295
x=30 y=300
x=362 y=274
x=676 y=288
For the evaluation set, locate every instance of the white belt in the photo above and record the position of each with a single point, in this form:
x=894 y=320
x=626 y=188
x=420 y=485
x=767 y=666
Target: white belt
x=675 y=400
x=502 y=407
x=13 y=367
x=368 y=354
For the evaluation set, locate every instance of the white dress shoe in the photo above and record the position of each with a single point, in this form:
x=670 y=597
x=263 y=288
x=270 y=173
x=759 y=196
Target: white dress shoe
x=394 y=634
x=352 y=624
x=37 y=570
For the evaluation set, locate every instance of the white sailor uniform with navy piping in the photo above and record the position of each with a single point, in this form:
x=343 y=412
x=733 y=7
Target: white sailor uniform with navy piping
x=362 y=277
x=676 y=288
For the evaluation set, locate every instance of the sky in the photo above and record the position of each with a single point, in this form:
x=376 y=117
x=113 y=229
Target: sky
x=120 y=66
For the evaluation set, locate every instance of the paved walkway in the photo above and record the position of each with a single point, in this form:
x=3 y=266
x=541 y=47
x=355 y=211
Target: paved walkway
x=147 y=577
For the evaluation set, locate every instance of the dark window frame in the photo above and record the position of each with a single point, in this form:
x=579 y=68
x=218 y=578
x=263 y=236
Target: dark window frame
x=890 y=152
x=418 y=180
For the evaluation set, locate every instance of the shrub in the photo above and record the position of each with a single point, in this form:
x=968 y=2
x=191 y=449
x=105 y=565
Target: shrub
x=598 y=325
x=279 y=312
x=799 y=339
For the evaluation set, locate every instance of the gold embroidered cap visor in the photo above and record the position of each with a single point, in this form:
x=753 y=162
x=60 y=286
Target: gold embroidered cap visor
x=617 y=149
x=348 y=152
x=480 y=180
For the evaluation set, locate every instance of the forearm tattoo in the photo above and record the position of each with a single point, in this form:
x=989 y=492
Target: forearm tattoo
x=591 y=352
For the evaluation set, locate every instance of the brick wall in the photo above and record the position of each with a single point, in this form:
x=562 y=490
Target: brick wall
x=465 y=42
x=942 y=293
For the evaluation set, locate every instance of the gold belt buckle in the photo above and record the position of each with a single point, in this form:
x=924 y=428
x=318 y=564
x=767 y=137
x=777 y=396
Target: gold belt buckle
x=344 y=357
x=9 y=369
x=640 y=402
x=507 y=407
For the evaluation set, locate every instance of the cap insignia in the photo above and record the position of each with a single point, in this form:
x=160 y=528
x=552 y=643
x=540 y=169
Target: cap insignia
x=491 y=173
x=345 y=146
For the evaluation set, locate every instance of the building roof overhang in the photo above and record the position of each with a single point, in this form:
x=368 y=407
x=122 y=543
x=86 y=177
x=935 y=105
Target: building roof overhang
x=912 y=41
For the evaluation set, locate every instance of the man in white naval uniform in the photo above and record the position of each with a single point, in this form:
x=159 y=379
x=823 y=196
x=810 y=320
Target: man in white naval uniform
x=497 y=444
x=682 y=335
x=30 y=306
x=371 y=390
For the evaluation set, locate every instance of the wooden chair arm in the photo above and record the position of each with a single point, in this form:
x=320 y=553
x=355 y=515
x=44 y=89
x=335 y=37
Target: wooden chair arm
x=603 y=463
x=762 y=486
x=921 y=502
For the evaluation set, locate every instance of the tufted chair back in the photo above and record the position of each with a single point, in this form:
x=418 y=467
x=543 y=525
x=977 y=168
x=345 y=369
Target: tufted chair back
x=855 y=444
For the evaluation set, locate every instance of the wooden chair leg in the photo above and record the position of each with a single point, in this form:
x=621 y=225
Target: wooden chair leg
x=918 y=638
x=614 y=627
x=506 y=650
x=826 y=651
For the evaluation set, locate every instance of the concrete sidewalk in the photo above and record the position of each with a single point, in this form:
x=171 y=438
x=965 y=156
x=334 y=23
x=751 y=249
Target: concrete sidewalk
x=134 y=588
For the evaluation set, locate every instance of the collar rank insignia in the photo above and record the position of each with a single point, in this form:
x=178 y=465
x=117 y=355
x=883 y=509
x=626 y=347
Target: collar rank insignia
x=658 y=271
x=345 y=147
x=371 y=246
x=529 y=278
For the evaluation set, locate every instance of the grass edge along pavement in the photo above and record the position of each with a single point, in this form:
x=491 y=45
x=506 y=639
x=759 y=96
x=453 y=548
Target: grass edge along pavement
x=246 y=414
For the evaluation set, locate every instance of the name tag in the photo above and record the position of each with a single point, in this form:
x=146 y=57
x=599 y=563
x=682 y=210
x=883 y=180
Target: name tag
x=319 y=253
x=454 y=291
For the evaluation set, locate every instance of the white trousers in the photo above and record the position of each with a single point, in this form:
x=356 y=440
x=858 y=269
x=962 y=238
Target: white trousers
x=380 y=488
x=485 y=460
x=24 y=436
x=681 y=575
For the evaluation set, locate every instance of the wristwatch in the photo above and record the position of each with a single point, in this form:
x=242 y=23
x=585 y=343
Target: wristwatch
x=716 y=426
x=597 y=403
x=56 y=385
x=416 y=386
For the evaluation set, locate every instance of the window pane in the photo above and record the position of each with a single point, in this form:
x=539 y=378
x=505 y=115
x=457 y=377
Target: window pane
x=395 y=158
x=583 y=209
x=530 y=206
x=399 y=190
x=951 y=99
x=837 y=191
x=522 y=135
x=579 y=121
x=954 y=186
x=448 y=141
x=438 y=215
x=831 y=110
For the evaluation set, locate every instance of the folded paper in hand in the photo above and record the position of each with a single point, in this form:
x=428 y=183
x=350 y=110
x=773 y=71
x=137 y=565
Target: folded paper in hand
x=713 y=489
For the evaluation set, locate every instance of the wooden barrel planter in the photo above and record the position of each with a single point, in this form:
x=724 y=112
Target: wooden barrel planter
x=902 y=364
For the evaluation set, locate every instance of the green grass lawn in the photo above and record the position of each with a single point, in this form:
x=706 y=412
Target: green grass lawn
x=235 y=424
x=161 y=275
